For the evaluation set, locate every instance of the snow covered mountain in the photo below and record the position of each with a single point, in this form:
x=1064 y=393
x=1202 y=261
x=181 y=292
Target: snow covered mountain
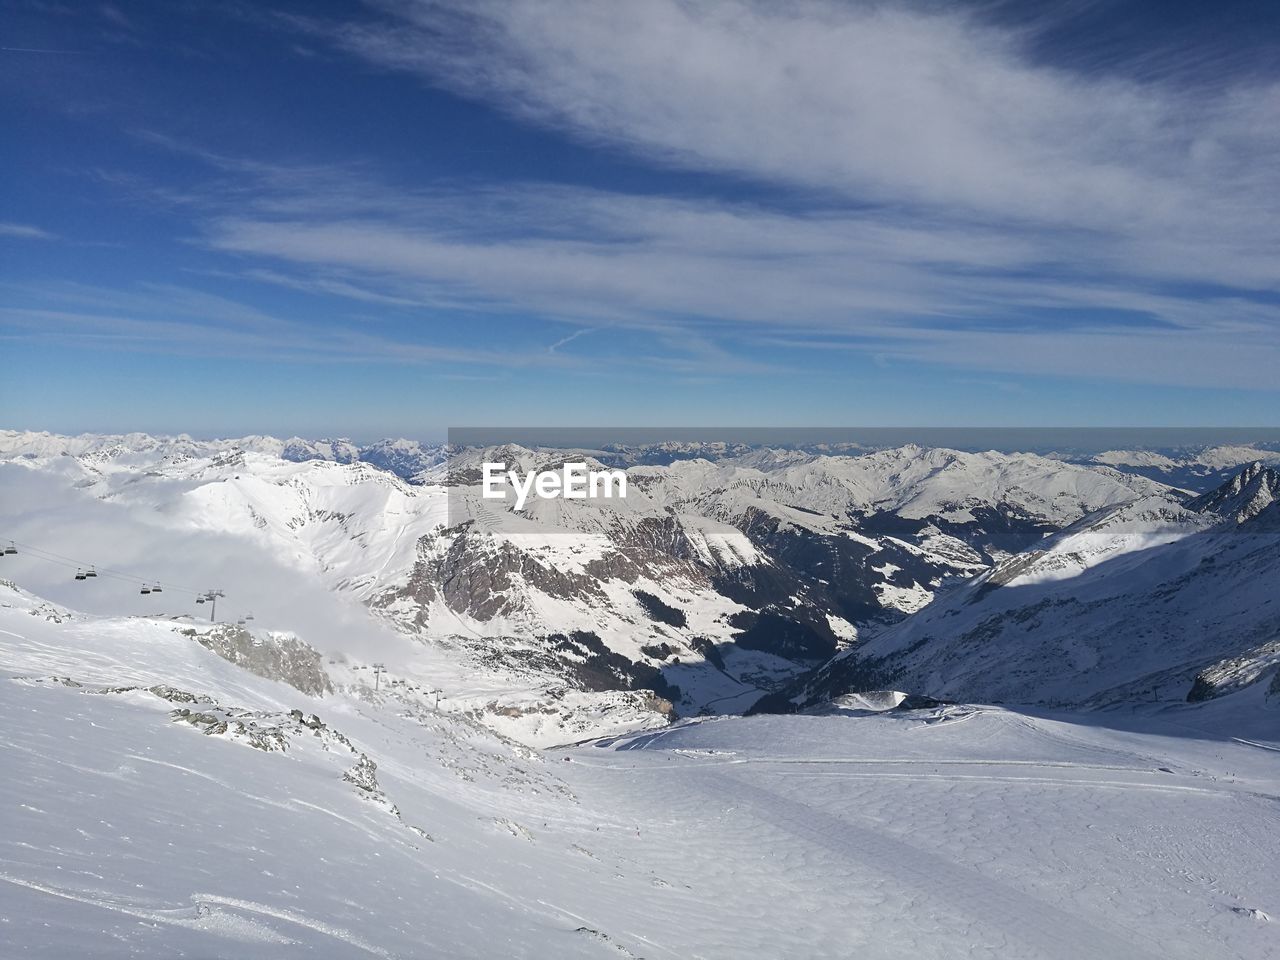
x=713 y=583
x=1197 y=469
x=1157 y=599
x=1191 y=467
x=401 y=457
x=1249 y=497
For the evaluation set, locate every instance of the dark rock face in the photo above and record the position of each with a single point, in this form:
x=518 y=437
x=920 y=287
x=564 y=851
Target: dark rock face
x=364 y=775
x=998 y=529
x=480 y=577
x=709 y=651
x=1202 y=689
x=801 y=577
x=827 y=572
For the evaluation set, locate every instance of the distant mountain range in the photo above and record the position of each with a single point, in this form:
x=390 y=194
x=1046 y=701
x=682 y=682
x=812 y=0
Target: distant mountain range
x=733 y=576
x=1196 y=467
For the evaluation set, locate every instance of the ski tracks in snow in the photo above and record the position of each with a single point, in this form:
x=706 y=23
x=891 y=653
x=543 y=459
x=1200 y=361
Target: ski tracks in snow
x=228 y=917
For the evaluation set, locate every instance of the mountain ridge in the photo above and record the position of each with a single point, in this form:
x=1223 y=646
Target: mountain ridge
x=765 y=564
x=1160 y=594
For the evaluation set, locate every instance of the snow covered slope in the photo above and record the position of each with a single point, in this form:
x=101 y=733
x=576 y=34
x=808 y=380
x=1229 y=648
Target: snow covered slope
x=162 y=801
x=300 y=547
x=1156 y=599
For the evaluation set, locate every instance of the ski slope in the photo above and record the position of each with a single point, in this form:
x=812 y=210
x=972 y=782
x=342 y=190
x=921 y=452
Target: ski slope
x=373 y=824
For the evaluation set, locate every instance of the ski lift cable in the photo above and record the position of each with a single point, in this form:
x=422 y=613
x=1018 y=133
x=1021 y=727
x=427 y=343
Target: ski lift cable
x=70 y=562
x=39 y=554
x=100 y=571
x=49 y=555
x=146 y=586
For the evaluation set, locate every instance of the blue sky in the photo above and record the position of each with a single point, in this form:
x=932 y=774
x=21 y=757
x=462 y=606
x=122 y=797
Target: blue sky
x=396 y=217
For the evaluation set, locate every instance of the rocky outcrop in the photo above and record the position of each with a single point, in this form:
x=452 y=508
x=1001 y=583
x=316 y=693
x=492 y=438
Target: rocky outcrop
x=275 y=656
x=1235 y=673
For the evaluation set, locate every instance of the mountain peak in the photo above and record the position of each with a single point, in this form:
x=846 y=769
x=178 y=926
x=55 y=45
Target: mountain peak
x=1251 y=491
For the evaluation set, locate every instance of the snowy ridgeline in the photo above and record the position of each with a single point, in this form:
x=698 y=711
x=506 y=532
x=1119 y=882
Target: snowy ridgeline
x=170 y=790
x=716 y=583
x=1147 y=601
x=764 y=578
x=1196 y=467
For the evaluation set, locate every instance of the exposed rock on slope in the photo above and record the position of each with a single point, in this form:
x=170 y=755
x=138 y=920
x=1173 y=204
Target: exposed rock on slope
x=273 y=655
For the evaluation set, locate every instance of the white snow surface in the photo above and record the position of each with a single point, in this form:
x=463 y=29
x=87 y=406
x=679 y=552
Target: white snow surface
x=952 y=832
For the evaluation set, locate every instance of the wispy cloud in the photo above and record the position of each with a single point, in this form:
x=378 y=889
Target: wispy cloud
x=956 y=197
x=912 y=182
x=25 y=231
x=176 y=320
x=877 y=102
x=896 y=284
x=582 y=332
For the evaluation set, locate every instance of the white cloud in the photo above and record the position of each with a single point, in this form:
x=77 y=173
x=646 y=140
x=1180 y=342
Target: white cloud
x=168 y=319
x=25 y=231
x=937 y=194
x=878 y=103
x=702 y=271
x=569 y=338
